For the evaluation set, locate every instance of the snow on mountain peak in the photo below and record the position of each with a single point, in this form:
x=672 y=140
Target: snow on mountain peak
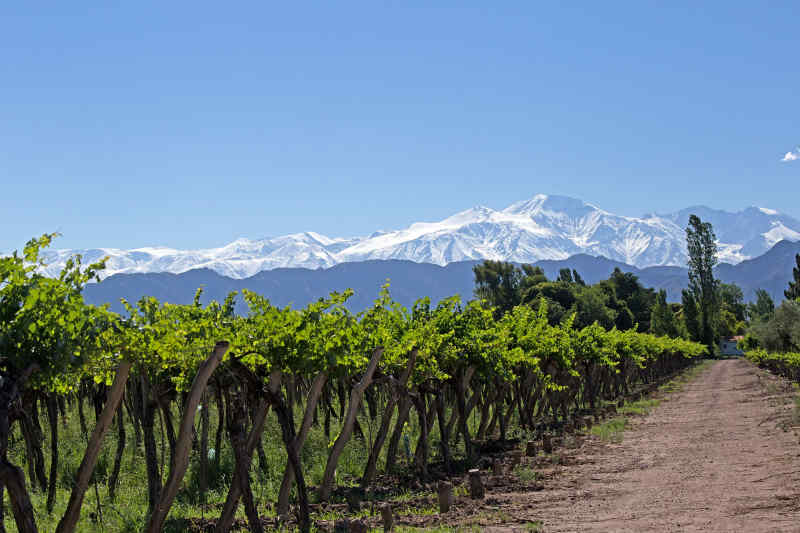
x=541 y=227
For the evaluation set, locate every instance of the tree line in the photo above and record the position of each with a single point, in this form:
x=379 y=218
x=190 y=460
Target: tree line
x=708 y=311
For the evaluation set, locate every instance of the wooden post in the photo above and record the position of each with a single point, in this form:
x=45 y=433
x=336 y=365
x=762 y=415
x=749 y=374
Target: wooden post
x=354 y=500
x=497 y=467
x=516 y=458
x=388 y=518
x=358 y=526
x=530 y=449
x=547 y=444
x=445 y=496
x=476 y=490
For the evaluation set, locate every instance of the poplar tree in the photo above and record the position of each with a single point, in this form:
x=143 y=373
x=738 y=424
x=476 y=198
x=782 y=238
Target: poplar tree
x=702 y=248
x=662 y=319
x=690 y=314
x=793 y=292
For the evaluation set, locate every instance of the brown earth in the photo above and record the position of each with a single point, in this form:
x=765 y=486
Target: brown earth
x=719 y=455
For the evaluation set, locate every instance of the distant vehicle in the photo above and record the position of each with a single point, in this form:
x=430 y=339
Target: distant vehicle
x=730 y=345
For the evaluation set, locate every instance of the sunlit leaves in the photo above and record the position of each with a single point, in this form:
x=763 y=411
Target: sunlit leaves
x=45 y=321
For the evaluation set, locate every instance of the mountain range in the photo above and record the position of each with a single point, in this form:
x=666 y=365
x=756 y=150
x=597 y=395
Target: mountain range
x=410 y=280
x=540 y=228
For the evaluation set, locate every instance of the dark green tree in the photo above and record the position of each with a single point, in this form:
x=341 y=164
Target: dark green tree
x=701 y=244
x=591 y=306
x=532 y=277
x=662 y=319
x=691 y=320
x=629 y=299
x=762 y=309
x=793 y=292
x=781 y=333
x=577 y=278
x=498 y=282
x=731 y=299
x=565 y=275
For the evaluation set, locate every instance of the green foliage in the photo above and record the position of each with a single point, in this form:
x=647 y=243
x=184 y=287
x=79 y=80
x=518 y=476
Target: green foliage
x=500 y=342
x=621 y=301
x=728 y=326
x=662 y=320
x=781 y=332
x=749 y=343
x=702 y=248
x=45 y=324
x=793 y=292
x=498 y=283
x=632 y=301
x=691 y=315
x=611 y=430
x=565 y=275
x=731 y=299
x=786 y=364
x=762 y=309
x=591 y=305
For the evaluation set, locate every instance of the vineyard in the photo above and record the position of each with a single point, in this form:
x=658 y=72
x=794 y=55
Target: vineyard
x=159 y=414
x=783 y=364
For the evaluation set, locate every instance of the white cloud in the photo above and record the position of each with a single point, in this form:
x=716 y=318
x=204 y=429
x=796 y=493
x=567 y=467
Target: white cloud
x=792 y=156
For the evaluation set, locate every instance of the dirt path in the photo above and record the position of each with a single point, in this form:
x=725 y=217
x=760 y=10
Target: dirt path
x=712 y=457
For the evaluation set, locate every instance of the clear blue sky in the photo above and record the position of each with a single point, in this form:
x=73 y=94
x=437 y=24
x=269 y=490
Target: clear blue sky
x=189 y=124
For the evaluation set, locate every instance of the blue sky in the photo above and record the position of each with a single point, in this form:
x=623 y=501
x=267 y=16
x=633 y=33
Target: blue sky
x=191 y=124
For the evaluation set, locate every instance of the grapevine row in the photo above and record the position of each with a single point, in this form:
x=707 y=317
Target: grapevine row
x=438 y=365
x=783 y=364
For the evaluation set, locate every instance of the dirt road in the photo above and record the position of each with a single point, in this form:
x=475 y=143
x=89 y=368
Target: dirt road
x=714 y=456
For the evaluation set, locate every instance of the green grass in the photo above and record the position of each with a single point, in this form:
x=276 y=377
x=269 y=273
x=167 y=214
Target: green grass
x=641 y=407
x=533 y=527
x=128 y=512
x=525 y=473
x=610 y=430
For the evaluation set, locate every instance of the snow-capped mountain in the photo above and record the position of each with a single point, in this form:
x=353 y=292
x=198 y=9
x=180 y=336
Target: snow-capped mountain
x=543 y=227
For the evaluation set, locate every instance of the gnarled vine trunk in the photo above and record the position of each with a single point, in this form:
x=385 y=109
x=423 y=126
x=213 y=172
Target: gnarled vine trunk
x=225 y=520
x=12 y=476
x=326 y=486
x=180 y=457
x=71 y=515
x=314 y=394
